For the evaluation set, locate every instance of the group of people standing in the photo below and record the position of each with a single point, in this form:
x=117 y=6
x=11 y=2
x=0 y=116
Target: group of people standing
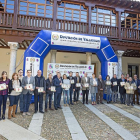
x=22 y=88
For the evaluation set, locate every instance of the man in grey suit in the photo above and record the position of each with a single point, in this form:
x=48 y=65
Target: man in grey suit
x=85 y=81
x=28 y=85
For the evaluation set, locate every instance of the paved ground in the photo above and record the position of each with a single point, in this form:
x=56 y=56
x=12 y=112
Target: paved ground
x=55 y=125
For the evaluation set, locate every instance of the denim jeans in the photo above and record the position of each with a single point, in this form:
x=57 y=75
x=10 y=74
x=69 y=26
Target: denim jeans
x=108 y=97
x=13 y=100
x=20 y=103
x=40 y=101
x=71 y=92
x=93 y=97
x=114 y=96
x=122 y=98
x=66 y=95
x=57 y=99
x=76 y=95
x=3 y=99
x=48 y=96
x=26 y=101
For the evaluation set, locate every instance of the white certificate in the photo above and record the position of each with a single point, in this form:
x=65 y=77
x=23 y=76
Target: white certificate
x=72 y=81
x=78 y=85
x=130 y=88
x=86 y=85
x=63 y=85
x=53 y=88
x=18 y=89
x=40 y=89
x=94 y=82
x=2 y=86
x=115 y=83
x=122 y=83
x=29 y=86
x=108 y=83
x=67 y=86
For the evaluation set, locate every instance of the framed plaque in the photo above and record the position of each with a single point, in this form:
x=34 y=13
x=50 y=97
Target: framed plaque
x=108 y=83
x=115 y=83
x=94 y=82
x=40 y=89
x=78 y=84
x=29 y=86
x=72 y=81
x=2 y=86
x=18 y=89
x=122 y=83
x=86 y=85
x=53 y=88
x=63 y=85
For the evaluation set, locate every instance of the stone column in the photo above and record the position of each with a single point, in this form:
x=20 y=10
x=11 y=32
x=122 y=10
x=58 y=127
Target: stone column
x=13 y=55
x=119 y=55
x=53 y=56
x=89 y=57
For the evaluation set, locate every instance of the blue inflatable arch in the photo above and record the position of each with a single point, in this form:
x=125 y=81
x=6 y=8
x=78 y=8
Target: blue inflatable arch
x=52 y=40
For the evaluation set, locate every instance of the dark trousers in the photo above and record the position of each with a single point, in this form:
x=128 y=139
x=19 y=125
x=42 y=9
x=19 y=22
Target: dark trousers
x=57 y=99
x=76 y=95
x=129 y=99
x=26 y=101
x=13 y=100
x=99 y=94
x=40 y=96
x=85 y=92
x=123 y=98
x=137 y=97
x=48 y=96
x=71 y=92
x=3 y=100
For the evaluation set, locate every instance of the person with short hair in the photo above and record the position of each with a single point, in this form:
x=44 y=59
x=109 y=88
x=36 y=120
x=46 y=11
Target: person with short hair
x=49 y=93
x=66 y=90
x=122 y=90
x=130 y=87
x=40 y=84
x=77 y=80
x=101 y=87
x=136 y=94
x=108 y=89
x=3 y=93
x=85 y=82
x=28 y=84
x=93 y=88
x=114 y=87
x=57 y=95
x=55 y=76
x=13 y=94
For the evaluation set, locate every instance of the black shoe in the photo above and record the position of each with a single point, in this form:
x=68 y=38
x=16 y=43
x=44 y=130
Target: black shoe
x=102 y=103
x=59 y=107
x=98 y=103
x=56 y=109
x=3 y=117
x=41 y=111
x=83 y=103
x=35 y=111
x=87 y=103
x=132 y=104
x=107 y=102
x=71 y=103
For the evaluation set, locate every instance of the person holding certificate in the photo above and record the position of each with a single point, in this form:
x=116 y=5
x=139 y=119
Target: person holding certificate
x=114 y=85
x=57 y=94
x=4 y=82
x=15 y=90
x=66 y=89
x=40 y=87
x=122 y=91
x=93 y=88
x=72 y=87
x=28 y=84
x=101 y=87
x=130 y=87
x=85 y=82
x=50 y=89
x=108 y=89
x=77 y=80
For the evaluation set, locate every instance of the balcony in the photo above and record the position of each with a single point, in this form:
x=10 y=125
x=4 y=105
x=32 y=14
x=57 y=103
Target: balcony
x=35 y=23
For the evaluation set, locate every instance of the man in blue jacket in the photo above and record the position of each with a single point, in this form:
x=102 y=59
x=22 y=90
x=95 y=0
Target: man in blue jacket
x=57 y=95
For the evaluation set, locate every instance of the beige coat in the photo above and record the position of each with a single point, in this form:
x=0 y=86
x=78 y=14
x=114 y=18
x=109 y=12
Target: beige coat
x=128 y=89
x=83 y=81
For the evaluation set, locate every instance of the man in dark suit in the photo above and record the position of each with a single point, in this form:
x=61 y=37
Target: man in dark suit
x=136 y=94
x=72 y=87
x=85 y=89
x=39 y=83
x=101 y=86
x=122 y=89
x=57 y=95
x=55 y=76
x=77 y=80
